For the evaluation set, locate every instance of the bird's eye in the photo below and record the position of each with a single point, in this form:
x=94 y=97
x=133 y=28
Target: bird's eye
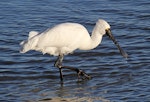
x=108 y=31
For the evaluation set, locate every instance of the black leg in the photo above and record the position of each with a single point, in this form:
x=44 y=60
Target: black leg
x=58 y=64
x=61 y=75
x=81 y=73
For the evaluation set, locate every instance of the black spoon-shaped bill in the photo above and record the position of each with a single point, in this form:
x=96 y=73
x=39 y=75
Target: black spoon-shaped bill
x=123 y=53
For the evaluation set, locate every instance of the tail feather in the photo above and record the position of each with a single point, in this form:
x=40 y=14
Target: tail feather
x=32 y=34
x=21 y=43
x=30 y=43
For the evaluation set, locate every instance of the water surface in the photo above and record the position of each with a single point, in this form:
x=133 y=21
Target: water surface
x=32 y=77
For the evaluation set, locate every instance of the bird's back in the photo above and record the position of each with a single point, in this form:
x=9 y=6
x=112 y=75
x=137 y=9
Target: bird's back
x=57 y=34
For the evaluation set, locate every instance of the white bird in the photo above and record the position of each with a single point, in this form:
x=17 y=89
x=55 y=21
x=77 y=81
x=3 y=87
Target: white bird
x=64 y=38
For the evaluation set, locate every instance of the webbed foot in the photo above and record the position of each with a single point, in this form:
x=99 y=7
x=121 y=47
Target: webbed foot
x=82 y=75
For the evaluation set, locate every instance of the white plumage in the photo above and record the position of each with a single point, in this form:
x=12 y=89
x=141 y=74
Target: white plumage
x=65 y=38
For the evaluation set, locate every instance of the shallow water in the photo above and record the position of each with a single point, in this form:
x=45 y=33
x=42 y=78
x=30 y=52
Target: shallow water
x=32 y=77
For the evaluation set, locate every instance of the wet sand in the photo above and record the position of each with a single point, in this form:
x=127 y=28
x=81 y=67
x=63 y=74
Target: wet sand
x=75 y=99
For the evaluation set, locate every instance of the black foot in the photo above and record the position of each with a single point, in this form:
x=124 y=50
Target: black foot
x=82 y=75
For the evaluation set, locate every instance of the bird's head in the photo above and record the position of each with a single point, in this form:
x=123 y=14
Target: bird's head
x=105 y=30
x=101 y=26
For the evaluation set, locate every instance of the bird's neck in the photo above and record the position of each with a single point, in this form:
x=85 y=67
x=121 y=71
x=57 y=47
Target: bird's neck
x=96 y=37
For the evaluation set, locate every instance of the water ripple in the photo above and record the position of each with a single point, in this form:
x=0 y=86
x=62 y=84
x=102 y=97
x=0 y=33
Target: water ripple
x=32 y=76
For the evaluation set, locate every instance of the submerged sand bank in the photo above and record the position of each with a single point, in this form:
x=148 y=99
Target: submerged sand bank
x=75 y=99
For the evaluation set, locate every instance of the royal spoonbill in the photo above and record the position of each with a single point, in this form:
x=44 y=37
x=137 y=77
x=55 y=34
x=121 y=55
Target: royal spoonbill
x=64 y=38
